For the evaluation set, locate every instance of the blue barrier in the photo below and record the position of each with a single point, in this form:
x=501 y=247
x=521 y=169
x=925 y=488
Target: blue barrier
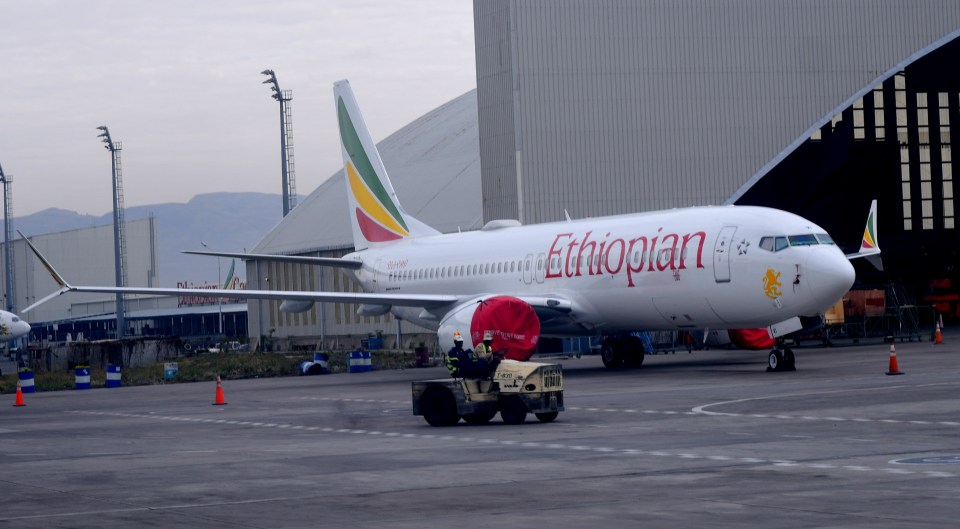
x=83 y=377
x=359 y=362
x=113 y=376
x=317 y=367
x=26 y=381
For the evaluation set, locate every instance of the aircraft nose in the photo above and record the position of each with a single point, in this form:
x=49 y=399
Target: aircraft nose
x=831 y=275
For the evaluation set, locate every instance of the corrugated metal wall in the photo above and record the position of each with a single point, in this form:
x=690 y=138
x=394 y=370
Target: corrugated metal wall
x=336 y=325
x=616 y=106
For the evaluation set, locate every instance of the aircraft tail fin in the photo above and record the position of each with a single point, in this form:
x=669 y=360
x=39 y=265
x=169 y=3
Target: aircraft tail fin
x=375 y=212
x=869 y=246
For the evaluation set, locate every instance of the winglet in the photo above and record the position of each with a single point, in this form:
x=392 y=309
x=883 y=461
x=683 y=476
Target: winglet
x=869 y=246
x=64 y=286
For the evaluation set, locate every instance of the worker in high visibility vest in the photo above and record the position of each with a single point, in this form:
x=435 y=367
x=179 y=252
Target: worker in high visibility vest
x=455 y=355
x=482 y=362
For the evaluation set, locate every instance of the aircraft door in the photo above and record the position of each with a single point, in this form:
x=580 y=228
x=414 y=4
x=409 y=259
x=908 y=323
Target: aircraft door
x=377 y=275
x=528 y=269
x=540 y=273
x=721 y=254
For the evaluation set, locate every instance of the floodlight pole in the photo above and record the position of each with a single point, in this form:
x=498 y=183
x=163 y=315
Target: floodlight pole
x=284 y=177
x=117 y=258
x=6 y=243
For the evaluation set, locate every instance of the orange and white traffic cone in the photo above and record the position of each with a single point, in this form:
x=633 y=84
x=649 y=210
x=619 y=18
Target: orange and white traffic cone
x=894 y=368
x=19 y=401
x=218 y=399
x=937 y=335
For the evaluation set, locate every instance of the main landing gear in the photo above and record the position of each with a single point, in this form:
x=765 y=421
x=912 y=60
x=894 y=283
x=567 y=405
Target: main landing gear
x=622 y=351
x=781 y=358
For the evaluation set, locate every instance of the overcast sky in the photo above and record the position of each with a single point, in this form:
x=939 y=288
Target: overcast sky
x=178 y=83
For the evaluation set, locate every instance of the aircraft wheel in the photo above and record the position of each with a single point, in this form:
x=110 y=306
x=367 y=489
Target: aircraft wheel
x=633 y=351
x=479 y=418
x=610 y=353
x=548 y=416
x=513 y=410
x=775 y=361
x=439 y=407
x=789 y=360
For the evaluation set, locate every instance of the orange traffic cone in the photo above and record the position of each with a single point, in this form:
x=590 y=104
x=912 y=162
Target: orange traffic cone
x=19 y=401
x=218 y=399
x=894 y=368
x=937 y=335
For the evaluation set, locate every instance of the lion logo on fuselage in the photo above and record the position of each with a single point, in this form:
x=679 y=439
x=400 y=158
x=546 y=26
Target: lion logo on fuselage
x=772 y=284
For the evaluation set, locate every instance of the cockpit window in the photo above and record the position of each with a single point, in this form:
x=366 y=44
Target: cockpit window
x=773 y=244
x=825 y=239
x=807 y=239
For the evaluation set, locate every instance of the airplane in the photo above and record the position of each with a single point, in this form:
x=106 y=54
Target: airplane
x=681 y=269
x=12 y=327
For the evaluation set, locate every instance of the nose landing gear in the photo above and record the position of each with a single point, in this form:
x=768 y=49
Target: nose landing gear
x=781 y=358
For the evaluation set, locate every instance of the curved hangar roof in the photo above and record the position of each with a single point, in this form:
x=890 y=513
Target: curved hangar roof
x=434 y=164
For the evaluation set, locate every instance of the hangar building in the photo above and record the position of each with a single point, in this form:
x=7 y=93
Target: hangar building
x=611 y=106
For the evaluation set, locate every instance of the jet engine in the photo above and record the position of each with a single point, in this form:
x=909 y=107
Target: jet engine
x=290 y=305
x=513 y=322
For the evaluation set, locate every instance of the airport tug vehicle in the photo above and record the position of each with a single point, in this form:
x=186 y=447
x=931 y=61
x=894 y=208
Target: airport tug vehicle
x=515 y=389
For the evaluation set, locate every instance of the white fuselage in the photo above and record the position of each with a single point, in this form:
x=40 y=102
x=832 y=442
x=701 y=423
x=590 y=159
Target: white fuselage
x=690 y=268
x=12 y=327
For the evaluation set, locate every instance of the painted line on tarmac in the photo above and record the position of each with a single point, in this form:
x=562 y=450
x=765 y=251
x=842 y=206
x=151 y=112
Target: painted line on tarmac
x=368 y=401
x=699 y=411
x=780 y=463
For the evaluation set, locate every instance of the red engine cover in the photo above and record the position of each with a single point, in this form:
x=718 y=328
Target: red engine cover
x=514 y=324
x=751 y=338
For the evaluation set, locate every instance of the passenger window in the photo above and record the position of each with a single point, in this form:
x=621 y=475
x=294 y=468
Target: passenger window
x=780 y=244
x=766 y=243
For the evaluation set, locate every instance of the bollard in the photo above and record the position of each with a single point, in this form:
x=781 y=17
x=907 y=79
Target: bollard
x=26 y=381
x=113 y=376
x=83 y=377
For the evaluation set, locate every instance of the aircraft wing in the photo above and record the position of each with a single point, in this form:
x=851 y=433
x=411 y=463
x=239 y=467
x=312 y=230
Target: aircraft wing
x=319 y=261
x=869 y=248
x=410 y=300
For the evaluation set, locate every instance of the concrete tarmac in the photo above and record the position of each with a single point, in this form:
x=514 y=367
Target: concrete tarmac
x=707 y=439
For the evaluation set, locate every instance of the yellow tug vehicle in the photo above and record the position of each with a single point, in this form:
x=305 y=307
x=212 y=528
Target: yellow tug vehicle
x=514 y=390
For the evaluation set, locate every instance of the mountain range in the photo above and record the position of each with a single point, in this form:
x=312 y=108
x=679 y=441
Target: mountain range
x=229 y=222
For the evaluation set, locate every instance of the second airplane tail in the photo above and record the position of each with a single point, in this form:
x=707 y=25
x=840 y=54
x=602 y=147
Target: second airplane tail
x=869 y=247
x=375 y=213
